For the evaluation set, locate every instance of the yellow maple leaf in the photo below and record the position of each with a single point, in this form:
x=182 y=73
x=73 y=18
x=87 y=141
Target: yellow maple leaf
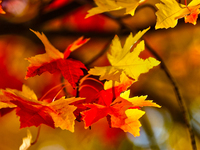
x=110 y=5
x=26 y=93
x=138 y=101
x=124 y=84
x=169 y=11
x=132 y=123
x=124 y=60
x=63 y=115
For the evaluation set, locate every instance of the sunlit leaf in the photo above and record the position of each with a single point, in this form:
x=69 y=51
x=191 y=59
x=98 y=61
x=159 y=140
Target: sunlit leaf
x=110 y=5
x=32 y=112
x=63 y=115
x=55 y=61
x=169 y=11
x=126 y=61
x=121 y=113
x=192 y=18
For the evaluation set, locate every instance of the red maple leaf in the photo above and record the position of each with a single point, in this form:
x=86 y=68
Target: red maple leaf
x=32 y=112
x=192 y=17
x=55 y=61
x=89 y=88
x=93 y=91
x=103 y=107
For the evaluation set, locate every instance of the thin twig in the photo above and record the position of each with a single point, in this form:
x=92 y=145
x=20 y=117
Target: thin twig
x=185 y=2
x=101 y=53
x=62 y=79
x=63 y=10
x=113 y=90
x=53 y=88
x=183 y=108
x=37 y=137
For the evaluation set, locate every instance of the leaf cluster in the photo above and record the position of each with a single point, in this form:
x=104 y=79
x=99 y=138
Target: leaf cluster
x=111 y=100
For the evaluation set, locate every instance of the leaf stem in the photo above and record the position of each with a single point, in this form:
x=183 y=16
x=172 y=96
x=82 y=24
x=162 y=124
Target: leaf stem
x=50 y=91
x=58 y=93
x=113 y=90
x=62 y=80
x=37 y=137
x=185 y=2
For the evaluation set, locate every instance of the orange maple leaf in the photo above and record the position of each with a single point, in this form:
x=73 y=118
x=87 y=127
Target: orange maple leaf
x=192 y=18
x=122 y=113
x=55 y=61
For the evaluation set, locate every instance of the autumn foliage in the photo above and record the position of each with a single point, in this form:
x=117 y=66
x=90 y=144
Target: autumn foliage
x=122 y=112
x=98 y=92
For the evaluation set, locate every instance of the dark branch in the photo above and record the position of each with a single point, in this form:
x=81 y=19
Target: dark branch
x=183 y=108
x=37 y=137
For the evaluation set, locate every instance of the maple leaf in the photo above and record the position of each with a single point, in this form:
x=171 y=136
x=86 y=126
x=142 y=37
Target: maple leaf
x=169 y=11
x=55 y=61
x=1 y=10
x=192 y=18
x=121 y=113
x=32 y=112
x=119 y=86
x=26 y=141
x=5 y=103
x=138 y=101
x=132 y=123
x=110 y=5
x=124 y=60
x=89 y=88
x=63 y=115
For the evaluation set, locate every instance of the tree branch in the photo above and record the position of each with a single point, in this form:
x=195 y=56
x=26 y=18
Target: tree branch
x=183 y=108
x=37 y=137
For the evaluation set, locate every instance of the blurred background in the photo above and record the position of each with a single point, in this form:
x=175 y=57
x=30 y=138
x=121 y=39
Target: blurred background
x=62 y=21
